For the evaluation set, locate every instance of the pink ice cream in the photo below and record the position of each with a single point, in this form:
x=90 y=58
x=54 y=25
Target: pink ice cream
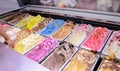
x=85 y=27
x=6 y=26
x=43 y=49
x=97 y=38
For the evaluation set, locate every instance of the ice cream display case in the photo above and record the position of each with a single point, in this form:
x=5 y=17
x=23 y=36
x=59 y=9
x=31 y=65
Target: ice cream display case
x=63 y=39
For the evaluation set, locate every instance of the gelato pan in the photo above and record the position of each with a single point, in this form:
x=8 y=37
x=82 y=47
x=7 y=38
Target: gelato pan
x=60 y=55
x=82 y=61
x=97 y=39
x=10 y=17
x=13 y=33
x=79 y=34
x=42 y=24
x=51 y=28
x=21 y=35
x=113 y=45
x=43 y=49
x=28 y=43
x=64 y=31
x=25 y=21
x=6 y=26
x=18 y=18
x=34 y=22
x=109 y=65
x=10 y=30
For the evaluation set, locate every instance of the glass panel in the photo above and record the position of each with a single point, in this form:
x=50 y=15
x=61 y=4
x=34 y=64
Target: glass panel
x=97 y=5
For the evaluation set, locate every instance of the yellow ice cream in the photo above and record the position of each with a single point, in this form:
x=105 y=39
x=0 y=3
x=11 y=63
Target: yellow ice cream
x=76 y=65
x=28 y=43
x=34 y=22
x=25 y=21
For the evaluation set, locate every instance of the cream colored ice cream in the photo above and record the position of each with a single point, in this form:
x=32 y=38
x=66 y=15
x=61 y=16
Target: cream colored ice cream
x=13 y=33
x=77 y=37
x=28 y=43
x=21 y=35
x=114 y=45
x=79 y=34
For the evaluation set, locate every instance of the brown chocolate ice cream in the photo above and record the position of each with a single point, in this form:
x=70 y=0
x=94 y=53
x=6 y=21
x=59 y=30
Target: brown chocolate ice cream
x=60 y=55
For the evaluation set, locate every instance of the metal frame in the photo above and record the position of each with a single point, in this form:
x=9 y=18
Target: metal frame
x=109 y=16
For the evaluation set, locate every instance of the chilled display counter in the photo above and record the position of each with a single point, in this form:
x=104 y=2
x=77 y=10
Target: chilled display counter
x=61 y=42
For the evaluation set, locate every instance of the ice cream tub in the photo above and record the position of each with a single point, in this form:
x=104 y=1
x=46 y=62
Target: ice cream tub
x=23 y=23
x=105 y=39
x=63 y=38
x=42 y=25
x=28 y=43
x=76 y=49
x=56 y=62
x=113 y=45
x=64 y=31
x=18 y=18
x=79 y=39
x=60 y=69
x=109 y=65
x=52 y=27
x=5 y=24
x=43 y=49
x=76 y=67
x=47 y=55
x=10 y=17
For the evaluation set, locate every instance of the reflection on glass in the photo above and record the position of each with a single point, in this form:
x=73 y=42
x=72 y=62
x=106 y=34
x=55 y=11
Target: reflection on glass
x=98 y=5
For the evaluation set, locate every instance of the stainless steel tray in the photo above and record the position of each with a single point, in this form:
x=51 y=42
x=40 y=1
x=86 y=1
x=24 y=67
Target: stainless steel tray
x=83 y=39
x=100 y=47
x=105 y=49
x=76 y=49
x=93 y=66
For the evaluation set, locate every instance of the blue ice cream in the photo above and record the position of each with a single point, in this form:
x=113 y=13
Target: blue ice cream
x=52 y=27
